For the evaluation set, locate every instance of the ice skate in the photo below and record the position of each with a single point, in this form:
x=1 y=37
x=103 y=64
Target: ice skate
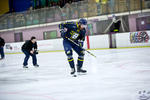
x=80 y=70
x=73 y=72
x=36 y=65
x=25 y=66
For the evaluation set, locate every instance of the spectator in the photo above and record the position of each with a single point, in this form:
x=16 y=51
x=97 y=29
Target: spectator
x=29 y=48
x=2 y=43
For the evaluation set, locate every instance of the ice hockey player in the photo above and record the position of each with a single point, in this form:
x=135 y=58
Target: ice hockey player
x=29 y=48
x=76 y=32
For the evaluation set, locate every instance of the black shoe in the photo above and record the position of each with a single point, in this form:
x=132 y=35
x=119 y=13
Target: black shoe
x=25 y=66
x=80 y=70
x=73 y=71
x=36 y=65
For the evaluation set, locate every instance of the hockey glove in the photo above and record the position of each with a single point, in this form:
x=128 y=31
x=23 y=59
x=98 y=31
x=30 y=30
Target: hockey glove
x=80 y=42
x=61 y=26
x=63 y=33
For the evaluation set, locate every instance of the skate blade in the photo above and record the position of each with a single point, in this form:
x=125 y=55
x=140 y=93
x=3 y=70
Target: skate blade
x=74 y=75
x=79 y=73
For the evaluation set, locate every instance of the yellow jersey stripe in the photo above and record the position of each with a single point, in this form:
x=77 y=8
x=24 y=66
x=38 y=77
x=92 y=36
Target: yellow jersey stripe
x=70 y=60
x=80 y=59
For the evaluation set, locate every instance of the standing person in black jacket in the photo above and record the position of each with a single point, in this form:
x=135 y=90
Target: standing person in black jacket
x=2 y=43
x=29 y=48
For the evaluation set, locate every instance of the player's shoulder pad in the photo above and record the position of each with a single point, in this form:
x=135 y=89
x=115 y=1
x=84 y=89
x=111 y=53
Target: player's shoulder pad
x=70 y=22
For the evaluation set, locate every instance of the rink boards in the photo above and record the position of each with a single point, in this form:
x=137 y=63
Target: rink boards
x=123 y=40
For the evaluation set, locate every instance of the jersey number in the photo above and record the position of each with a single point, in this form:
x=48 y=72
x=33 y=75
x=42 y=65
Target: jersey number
x=75 y=35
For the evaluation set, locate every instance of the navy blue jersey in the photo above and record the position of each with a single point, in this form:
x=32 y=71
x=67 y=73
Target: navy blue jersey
x=73 y=32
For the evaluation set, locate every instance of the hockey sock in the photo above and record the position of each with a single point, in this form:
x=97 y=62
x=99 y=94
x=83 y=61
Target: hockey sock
x=71 y=62
x=80 y=61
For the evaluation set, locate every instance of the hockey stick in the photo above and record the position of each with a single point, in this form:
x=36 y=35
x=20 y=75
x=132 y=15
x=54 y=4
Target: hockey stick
x=81 y=47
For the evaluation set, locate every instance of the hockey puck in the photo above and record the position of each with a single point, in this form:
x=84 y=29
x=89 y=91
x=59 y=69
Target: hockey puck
x=74 y=75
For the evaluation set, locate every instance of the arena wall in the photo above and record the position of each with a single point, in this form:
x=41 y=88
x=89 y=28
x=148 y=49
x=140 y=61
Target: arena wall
x=129 y=39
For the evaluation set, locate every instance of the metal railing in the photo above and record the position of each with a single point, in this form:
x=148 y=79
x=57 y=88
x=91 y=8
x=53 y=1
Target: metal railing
x=87 y=8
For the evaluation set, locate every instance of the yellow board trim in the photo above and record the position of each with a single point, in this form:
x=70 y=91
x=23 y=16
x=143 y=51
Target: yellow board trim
x=120 y=48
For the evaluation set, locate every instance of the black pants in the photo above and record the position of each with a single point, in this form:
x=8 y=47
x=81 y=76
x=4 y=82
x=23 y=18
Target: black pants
x=2 y=52
x=27 y=56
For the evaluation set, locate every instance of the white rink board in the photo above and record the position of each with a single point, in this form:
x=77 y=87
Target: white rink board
x=54 y=44
x=97 y=41
x=13 y=47
x=44 y=45
x=123 y=40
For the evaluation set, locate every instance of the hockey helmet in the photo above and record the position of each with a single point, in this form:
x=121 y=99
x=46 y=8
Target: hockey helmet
x=83 y=21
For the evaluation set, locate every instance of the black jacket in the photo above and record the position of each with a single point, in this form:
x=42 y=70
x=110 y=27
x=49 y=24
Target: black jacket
x=28 y=45
x=2 y=42
x=115 y=26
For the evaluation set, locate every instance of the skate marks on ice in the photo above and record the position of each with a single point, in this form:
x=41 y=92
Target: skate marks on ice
x=115 y=75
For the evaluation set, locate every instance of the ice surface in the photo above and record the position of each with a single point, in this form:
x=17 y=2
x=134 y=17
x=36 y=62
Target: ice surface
x=116 y=74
